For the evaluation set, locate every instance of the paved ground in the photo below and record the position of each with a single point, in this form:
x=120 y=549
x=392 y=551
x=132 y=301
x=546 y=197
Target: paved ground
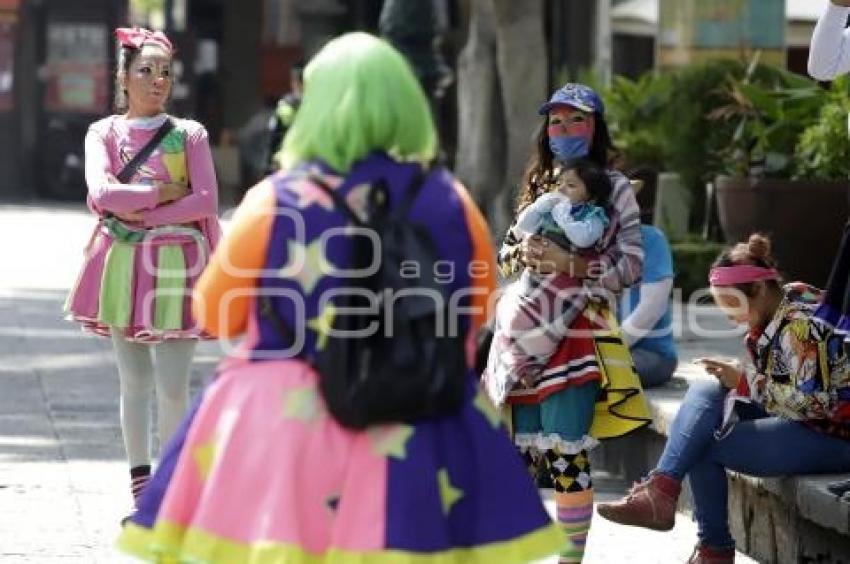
x=63 y=484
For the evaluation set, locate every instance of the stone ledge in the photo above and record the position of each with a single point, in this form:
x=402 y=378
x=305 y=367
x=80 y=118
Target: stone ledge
x=807 y=493
x=776 y=521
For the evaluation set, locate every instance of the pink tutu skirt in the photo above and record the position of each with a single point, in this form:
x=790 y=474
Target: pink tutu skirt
x=139 y=282
x=262 y=473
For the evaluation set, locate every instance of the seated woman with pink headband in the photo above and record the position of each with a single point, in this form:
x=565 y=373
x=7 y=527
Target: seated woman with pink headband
x=788 y=413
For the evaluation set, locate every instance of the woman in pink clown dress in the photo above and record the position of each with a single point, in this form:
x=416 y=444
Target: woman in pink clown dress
x=262 y=471
x=154 y=234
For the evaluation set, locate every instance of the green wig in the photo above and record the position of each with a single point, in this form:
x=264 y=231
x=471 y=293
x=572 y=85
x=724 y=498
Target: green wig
x=360 y=96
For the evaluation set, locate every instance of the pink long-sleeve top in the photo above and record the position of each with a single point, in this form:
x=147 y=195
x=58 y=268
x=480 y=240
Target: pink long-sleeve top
x=183 y=156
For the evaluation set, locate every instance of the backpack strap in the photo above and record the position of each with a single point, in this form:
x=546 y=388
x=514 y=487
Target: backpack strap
x=131 y=167
x=413 y=189
x=268 y=311
x=339 y=201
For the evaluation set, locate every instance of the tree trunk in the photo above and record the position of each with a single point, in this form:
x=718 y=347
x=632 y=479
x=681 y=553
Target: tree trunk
x=604 y=41
x=501 y=82
x=480 y=147
x=522 y=65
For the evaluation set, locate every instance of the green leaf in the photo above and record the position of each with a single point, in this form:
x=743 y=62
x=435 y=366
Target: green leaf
x=763 y=99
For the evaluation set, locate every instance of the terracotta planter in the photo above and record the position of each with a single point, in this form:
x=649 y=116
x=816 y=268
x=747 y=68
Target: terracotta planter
x=805 y=219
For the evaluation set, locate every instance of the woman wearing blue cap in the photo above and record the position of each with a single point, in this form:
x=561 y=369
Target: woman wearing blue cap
x=577 y=394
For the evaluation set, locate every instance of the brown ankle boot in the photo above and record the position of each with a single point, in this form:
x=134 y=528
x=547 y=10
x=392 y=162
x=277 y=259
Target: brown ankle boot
x=707 y=555
x=650 y=504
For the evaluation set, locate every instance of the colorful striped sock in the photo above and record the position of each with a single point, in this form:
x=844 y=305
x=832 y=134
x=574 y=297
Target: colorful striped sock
x=139 y=477
x=575 y=510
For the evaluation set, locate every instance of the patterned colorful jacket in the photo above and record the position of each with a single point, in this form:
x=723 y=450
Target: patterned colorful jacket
x=801 y=368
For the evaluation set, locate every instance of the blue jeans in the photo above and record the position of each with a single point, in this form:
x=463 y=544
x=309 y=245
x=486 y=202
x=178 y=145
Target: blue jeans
x=758 y=445
x=653 y=369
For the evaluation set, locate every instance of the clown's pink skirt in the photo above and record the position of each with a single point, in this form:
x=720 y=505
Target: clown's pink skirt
x=260 y=472
x=139 y=282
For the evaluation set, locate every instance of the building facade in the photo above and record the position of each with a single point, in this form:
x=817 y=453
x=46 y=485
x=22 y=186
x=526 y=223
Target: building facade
x=232 y=62
x=56 y=59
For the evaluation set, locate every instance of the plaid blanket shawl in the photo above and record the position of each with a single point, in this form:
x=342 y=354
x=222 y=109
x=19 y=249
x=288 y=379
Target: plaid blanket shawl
x=619 y=265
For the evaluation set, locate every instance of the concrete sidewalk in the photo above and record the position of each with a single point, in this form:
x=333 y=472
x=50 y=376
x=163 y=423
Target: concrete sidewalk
x=63 y=478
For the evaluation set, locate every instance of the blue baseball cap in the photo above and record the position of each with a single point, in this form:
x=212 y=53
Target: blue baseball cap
x=575 y=95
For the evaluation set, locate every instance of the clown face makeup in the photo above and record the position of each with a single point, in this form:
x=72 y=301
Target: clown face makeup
x=148 y=81
x=570 y=133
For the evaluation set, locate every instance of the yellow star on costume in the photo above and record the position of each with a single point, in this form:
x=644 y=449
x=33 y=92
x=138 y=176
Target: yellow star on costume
x=449 y=494
x=306 y=265
x=322 y=325
x=482 y=404
x=301 y=403
x=204 y=456
x=391 y=441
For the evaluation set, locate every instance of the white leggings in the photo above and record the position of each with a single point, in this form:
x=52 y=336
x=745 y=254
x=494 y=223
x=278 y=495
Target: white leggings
x=138 y=369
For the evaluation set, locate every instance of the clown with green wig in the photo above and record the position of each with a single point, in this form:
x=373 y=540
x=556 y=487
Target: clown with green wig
x=262 y=470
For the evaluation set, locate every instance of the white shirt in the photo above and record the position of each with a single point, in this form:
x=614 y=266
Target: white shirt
x=829 y=56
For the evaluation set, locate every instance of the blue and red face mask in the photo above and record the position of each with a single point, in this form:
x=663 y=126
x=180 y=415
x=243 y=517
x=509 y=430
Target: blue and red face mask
x=570 y=133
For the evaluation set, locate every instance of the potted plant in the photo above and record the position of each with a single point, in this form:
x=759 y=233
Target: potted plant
x=782 y=170
x=659 y=122
x=634 y=111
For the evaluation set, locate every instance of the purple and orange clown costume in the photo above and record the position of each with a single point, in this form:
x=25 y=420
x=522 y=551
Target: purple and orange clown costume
x=261 y=472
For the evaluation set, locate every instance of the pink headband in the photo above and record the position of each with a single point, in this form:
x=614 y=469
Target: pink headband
x=136 y=37
x=740 y=274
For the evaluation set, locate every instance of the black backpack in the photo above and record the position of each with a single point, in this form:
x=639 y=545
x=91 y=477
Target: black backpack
x=401 y=357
